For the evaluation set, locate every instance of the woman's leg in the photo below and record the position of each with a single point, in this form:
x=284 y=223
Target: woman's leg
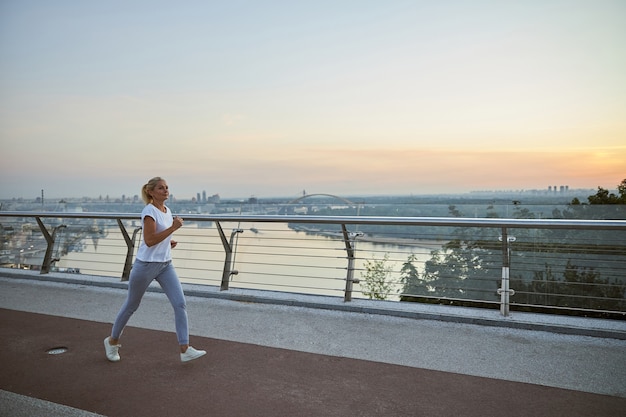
x=141 y=275
x=168 y=279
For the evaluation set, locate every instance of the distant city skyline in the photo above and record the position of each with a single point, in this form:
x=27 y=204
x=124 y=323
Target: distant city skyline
x=205 y=197
x=345 y=97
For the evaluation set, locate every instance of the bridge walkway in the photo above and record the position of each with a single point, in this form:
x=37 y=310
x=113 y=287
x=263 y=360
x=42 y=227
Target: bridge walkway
x=286 y=360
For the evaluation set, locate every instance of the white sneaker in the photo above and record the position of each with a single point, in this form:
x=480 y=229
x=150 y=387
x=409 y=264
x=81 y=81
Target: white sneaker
x=112 y=351
x=191 y=354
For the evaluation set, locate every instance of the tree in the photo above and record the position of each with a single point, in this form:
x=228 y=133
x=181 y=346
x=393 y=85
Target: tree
x=578 y=287
x=468 y=267
x=409 y=275
x=604 y=197
x=606 y=205
x=376 y=284
x=463 y=268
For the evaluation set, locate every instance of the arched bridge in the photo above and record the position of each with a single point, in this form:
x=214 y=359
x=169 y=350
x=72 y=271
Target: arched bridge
x=345 y=200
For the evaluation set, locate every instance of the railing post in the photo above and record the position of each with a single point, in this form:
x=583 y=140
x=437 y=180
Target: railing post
x=504 y=290
x=47 y=259
x=228 y=260
x=348 y=239
x=130 y=246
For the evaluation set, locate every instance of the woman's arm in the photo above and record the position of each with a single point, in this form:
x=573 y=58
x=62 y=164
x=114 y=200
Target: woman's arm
x=150 y=235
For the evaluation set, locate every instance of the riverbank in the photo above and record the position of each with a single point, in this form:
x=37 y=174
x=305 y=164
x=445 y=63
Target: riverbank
x=432 y=244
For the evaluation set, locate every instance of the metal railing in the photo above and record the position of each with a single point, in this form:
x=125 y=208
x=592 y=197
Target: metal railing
x=557 y=265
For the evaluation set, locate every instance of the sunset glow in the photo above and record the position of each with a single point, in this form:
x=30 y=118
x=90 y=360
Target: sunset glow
x=345 y=97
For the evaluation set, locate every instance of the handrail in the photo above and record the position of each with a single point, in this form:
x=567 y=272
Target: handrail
x=501 y=225
x=394 y=221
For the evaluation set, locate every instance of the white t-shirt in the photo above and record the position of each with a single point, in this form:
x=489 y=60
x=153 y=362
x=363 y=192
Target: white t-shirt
x=161 y=252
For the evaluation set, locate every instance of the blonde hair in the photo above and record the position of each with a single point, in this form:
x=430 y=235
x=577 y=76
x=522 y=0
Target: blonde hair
x=149 y=187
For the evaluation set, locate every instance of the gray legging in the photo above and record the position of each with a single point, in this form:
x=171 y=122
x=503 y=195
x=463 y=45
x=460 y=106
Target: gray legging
x=141 y=275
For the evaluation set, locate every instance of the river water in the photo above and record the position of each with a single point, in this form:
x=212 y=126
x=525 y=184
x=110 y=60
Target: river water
x=269 y=256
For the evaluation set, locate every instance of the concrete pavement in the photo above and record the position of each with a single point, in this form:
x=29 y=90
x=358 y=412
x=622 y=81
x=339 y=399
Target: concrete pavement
x=508 y=353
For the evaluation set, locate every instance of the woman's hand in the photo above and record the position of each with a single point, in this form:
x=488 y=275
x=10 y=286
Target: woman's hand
x=177 y=223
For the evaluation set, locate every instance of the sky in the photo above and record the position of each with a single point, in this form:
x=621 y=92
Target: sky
x=347 y=97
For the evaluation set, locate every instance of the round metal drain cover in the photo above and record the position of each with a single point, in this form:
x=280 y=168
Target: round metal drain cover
x=57 y=350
